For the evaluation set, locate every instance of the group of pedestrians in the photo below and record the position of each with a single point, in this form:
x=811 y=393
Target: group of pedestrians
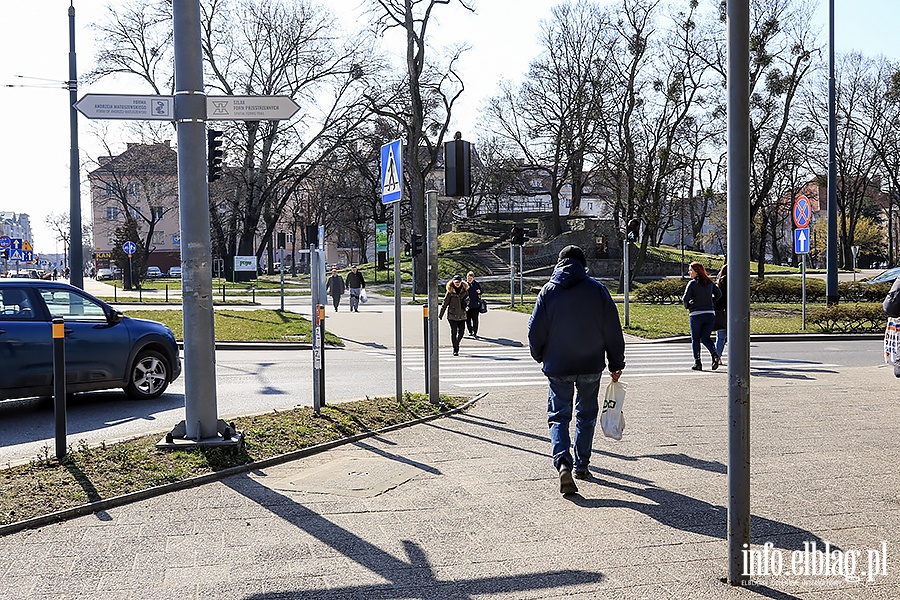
x=462 y=304
x=355 y=283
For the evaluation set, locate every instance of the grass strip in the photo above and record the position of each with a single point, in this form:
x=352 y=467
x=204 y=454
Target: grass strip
x=93 y=474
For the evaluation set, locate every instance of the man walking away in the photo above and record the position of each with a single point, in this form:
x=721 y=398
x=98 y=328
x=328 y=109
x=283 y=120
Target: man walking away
x=355 y=283
x=575 y=332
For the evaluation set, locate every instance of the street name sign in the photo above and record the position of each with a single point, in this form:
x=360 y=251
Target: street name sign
x=801 y=241
x=391 y=173
x=126 y=106
x=250 y=108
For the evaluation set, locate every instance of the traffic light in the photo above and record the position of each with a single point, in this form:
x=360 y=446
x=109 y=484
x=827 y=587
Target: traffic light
x=214 y=154
x=517 y=236
x=4 y=254
x=416 y=244
x=633 y=230
x=458 y=167
x=282 y=240
x=312 y=235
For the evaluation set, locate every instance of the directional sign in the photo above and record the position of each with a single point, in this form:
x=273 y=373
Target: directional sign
x=125 y=106
x=250 y=108
x=801 y=241
x=802 y=212
x=15 y=243
x=5 y=242
x=27 y=255
x=391 y=173
x=129 y=248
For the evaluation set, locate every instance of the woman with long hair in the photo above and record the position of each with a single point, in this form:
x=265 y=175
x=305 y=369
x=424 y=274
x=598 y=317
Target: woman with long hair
x=700 y=296
x=456 y=304
x=722 y=312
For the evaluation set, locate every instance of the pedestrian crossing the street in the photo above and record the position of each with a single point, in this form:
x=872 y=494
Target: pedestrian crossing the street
x=512 y=366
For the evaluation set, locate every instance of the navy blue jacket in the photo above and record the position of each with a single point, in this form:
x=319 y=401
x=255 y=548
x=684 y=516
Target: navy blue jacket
x=574 y=328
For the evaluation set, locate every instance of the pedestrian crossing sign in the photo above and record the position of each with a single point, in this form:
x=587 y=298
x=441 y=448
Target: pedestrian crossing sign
x=391 y=173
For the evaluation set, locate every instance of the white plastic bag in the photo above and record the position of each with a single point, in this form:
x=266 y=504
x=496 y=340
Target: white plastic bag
x=892 y=341
x=612 y=419
x=362 y=296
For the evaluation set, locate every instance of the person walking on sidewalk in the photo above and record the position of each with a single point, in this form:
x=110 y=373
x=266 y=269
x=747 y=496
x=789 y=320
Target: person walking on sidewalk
x=456 y=303
x=355 y=283
x=700 y=296
x=575 y=332
x=721 y=321
x=474 y=304
x=334 y=287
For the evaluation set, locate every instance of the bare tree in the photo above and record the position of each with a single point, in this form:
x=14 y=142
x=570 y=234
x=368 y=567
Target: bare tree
x=421 y=103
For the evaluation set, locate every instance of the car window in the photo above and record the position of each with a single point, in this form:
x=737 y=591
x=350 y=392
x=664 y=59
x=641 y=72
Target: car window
x=72 y=306
x=15 y=305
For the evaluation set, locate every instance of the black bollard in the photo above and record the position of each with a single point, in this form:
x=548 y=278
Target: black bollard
x=59 y=385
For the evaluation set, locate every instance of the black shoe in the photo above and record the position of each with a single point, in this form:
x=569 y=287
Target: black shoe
x=697 y=366
x=456 y=353
x=581 y=474
x=566 y=483
x=715 y=364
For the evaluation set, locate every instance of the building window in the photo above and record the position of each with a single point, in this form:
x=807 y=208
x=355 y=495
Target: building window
x=110 y=188
x=135 y=212
x=157 y=213
x=110 y=238
x=112 y=213
x=159 y=238
x=133 y=189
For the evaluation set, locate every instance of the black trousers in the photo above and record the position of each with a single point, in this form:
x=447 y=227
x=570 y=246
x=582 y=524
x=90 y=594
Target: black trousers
x=472 y=320
x=336 y=300
x=457 y=330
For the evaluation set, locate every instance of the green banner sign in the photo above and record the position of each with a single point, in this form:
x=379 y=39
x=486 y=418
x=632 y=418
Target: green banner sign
x=381 y=237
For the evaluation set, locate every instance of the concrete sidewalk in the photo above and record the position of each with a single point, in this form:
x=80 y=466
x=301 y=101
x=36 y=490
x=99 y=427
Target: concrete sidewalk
x=468 y=507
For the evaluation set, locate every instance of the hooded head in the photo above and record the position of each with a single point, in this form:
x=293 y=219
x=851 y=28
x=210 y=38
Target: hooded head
x=573 y=252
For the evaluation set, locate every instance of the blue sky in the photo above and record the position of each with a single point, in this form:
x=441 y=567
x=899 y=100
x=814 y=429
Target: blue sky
x=34 y=42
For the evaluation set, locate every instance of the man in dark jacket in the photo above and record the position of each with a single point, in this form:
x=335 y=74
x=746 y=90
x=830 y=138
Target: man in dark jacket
x=574 y=331
x=355 y=283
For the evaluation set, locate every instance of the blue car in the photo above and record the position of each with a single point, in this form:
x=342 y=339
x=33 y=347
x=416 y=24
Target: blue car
x=104 y=348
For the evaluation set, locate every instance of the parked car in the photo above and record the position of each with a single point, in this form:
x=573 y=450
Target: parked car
x=174 y=271
x=104 y=348
x=104 y=274
x=886 y=276
x=154 y=272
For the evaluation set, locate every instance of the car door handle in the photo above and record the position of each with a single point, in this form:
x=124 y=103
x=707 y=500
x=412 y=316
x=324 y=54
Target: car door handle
x=68 y=330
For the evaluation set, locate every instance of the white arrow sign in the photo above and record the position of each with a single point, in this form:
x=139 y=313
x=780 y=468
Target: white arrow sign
x=124 y=106
x=249 y=108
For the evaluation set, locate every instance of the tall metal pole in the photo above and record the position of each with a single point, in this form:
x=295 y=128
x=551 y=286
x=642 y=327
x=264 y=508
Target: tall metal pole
x=76 y=257
x=831 y=276
x=512 y=275
x=626 y=275
x=738 y=287
x=434 y=391
x=196 y=255
x=398 y=336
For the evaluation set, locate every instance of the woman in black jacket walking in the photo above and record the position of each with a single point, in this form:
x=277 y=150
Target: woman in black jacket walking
x=700 y=297
x=456 y=303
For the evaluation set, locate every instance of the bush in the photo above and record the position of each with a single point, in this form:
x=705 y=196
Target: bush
x=849 y=318
x=854 y=291
x=786 y=290
x=664 y=291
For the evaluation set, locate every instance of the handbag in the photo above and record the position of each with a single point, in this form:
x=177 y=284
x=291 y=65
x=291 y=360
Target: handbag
x=721 y=320
x=892 y=341
x=612 y=419
x=482 y=307
x=362 y=296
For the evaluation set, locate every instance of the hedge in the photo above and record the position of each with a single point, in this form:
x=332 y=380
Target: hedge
x=849 y=318
x=776 y=290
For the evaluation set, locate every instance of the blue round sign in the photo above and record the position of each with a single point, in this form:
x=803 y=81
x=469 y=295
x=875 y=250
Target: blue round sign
x=129 y=248
x=5 y=242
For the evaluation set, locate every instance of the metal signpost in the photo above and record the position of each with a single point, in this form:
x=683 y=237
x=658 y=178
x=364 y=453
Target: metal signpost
x=392 y=193
x=434 y=391
x=317 y=289
x=190 y=108
x=802 y=213
x=129 y=248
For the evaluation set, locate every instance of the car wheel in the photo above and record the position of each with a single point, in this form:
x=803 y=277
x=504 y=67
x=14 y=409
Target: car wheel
x=149 y=376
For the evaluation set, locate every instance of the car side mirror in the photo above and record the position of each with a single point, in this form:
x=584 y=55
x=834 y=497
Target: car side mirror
x=114 y=316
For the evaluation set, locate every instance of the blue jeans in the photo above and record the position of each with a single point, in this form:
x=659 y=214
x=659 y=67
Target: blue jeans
x=721 y=338
x=559 y=413
x=701 y=329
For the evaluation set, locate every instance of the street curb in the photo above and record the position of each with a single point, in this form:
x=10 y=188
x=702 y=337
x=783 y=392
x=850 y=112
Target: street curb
x=782 y=337
x=101 y=505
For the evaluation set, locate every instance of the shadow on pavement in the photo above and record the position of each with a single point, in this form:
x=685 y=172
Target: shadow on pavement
x=413 y=577
x=695 y=516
